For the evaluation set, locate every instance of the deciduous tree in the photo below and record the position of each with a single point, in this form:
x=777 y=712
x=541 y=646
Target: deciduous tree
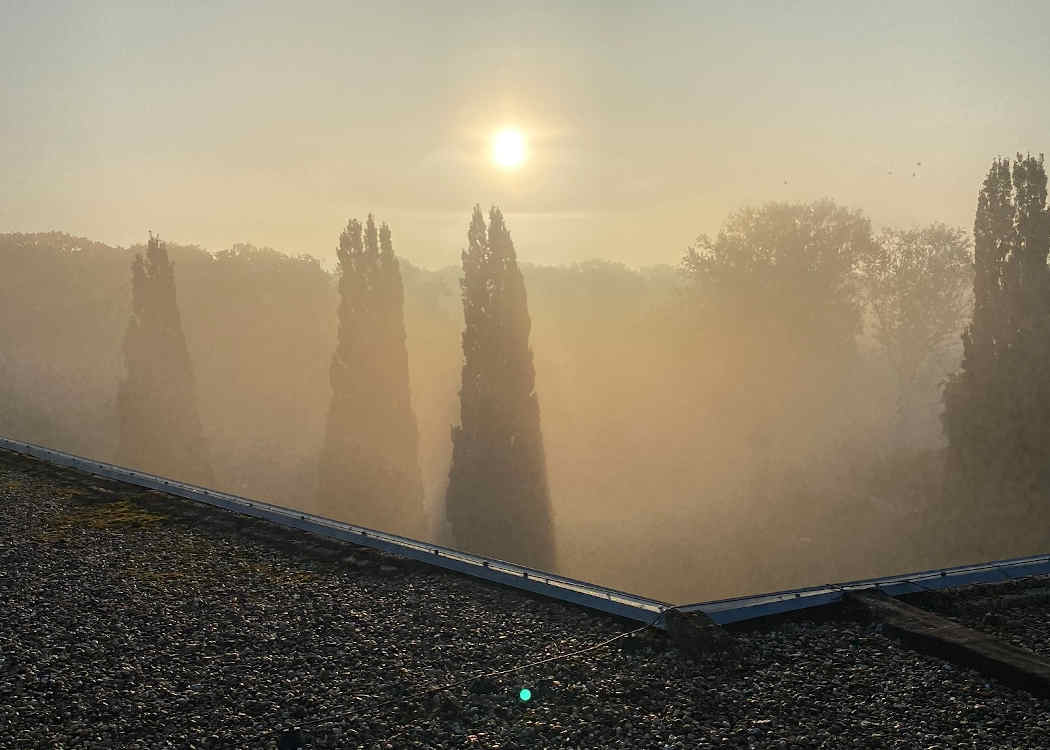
x=917 y=284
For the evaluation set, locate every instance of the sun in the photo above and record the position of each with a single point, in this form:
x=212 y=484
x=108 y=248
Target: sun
x=508 y=148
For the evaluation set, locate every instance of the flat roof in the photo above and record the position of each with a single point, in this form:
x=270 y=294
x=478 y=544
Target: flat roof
x=135 y=619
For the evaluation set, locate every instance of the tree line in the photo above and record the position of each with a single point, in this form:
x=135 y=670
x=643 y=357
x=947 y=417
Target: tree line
x=777 y=390
x=369 y=470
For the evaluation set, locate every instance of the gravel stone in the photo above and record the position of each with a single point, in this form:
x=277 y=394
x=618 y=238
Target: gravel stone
x=132 y=620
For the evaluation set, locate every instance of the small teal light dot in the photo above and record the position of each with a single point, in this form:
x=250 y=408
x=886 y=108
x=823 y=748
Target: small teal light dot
x=525 y=694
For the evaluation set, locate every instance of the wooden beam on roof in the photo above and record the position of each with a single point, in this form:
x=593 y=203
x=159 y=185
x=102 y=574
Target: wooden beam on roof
x=938 y=636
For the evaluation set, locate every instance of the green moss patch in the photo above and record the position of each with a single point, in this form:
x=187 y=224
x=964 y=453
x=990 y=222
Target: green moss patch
x=116 y=514
x=120 y=514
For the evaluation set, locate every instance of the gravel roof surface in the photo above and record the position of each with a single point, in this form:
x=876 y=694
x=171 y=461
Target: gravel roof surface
x=133 y=620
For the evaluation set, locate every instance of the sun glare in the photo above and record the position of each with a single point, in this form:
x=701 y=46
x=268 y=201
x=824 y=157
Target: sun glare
x=508 y=148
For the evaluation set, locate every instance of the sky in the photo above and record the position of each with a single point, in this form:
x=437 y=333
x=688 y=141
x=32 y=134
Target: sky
x=273 y=123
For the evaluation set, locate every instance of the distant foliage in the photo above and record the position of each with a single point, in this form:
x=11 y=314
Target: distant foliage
x=778 y=291
x=916 y=284
x=997 y=407
x=671 y=403
x=369 y=471
x=498 y=500
x=793 y=409
x=160 y=430
x=63 y=310
x=787 y=270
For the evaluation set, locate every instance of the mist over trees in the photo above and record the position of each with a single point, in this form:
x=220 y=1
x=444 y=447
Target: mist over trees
x=369 y=471
x=997 y=407
x=916 y=286
x=498 y=500
x=765 y=415
x=777 y=313
x=160 y=430
x=781 y=278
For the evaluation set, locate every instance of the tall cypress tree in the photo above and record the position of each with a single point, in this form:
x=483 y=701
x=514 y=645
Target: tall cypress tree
x=160 y=429
x=498 y=501
x=997 y=407
x=993 y=243
x=403 y=434
x=1030 y=363
x=369 y=472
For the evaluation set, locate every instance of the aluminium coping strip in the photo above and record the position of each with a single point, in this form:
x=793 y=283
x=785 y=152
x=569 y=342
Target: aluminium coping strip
x=593 y=596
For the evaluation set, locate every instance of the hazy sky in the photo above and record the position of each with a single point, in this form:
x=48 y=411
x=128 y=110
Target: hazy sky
x=273 y=123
